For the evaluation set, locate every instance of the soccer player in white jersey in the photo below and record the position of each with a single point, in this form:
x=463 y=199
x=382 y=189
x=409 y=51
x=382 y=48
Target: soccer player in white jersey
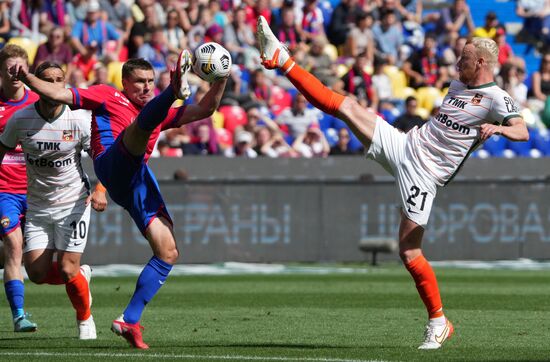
x=52 y=137
x=423 y=159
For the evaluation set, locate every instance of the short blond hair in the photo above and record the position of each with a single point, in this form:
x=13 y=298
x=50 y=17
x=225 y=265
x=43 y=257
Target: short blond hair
x=487 y=49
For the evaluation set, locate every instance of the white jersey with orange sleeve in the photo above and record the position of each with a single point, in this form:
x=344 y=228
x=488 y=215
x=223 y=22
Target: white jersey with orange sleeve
x=441 y=146
x=52 y=149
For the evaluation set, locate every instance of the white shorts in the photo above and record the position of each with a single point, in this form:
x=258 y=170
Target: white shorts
x=62 y=228
x=416 y=191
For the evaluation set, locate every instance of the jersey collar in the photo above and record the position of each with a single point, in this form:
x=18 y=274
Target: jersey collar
x=49 y=120
x=12 y=102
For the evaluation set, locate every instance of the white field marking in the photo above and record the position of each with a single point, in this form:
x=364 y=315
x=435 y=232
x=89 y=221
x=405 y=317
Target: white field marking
x=182 y=356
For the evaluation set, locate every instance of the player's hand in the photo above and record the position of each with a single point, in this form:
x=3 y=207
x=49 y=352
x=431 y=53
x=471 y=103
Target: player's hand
x=98 y=200
x=18 y=72
x=487 y=130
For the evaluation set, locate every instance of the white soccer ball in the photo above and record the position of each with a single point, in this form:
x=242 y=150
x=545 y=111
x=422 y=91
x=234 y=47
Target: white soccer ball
x=211 y=62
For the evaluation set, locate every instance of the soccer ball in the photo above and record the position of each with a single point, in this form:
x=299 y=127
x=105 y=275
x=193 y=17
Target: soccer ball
x=211 y=62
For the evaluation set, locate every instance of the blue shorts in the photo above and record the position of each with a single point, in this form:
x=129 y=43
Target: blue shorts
x=12 y=211
x=131 y=184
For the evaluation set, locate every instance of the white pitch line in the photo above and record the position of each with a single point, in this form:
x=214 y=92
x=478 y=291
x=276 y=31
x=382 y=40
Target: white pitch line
x=181 y=356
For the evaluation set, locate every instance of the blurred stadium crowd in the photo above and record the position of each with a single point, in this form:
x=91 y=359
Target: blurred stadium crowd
x=397 y=57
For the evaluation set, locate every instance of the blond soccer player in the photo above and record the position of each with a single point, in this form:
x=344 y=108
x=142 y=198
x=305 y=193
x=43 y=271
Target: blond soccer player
x=424 y=159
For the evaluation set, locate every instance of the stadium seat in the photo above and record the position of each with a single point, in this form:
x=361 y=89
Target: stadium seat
x=326 y=121
x=114 y=74
x=427 y=96
x=541 y=141
x=233 y=116
x=495 y=145
x=403 y=93
x=520 y=149
x=30 y=46
x=217 y=119
x=331 y=51
x=280 y=100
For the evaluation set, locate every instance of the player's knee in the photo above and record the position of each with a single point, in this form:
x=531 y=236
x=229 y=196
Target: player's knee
x=407 y=254
x=69 y=271
x=169 y=255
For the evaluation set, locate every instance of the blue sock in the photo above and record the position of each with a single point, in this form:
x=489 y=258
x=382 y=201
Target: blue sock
x=15 y=292
x=150 y=280
x=156 y=110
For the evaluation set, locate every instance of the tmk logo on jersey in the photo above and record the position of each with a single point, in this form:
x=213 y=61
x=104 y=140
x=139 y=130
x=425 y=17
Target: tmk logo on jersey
x=67 y=135
x=48 y=146
x=5 y=221
x=455 y=102
x=477 y=98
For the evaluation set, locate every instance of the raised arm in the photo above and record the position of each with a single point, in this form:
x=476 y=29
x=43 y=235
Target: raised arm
x=205 y=107
x=515 y=130
x=43 y=88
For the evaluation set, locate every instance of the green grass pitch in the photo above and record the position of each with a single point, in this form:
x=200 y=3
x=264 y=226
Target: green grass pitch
x=377 y=315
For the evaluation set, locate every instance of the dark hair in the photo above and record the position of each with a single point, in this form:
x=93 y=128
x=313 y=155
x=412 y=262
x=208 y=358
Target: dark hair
x=410 y=99
x=133 y=64
x=39 y=71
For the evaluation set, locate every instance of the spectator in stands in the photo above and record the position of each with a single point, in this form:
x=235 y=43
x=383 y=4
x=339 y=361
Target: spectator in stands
x=94 y=30
x=5 y=25
x=536 y=21
x=141 y=29
x=426 y=68
x=505 y=51
x=456 y=20
x=288 y=31
x=165 y=150
x=100 y=75
x=239 y=37
x=389 y=37
x=76 y=78
x=299 y=117
x=84 y=62
x=163 y=81
x=193 y=15
x=255 y=120
x=218 y=15
x=203 y=143
x=409 y=119
x=341 y=148
x=361 y=39
x=54 y=50
x=272 y=144
x=319 y=63
x=25 y=19
x=76 y=10
x=312 y=143
x=358 y=82
x=118 y=14
x=312 y=21
x=489 y=29
x=260 y=88
x=411 y=10
x=452 y=53
x=173 y=33
x=540 y=90
x=53 y=14
x=242 y=146
x=510 y=79
x=155 y=50
x=342 y=20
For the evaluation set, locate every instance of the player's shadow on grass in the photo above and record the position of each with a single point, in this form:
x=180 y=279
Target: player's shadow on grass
x=264 y=345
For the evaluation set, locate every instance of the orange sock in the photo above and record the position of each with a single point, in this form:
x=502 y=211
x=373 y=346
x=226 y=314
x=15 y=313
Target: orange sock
x=78 y=291
x=54 y=276
x=426 y=284
x=315 y=92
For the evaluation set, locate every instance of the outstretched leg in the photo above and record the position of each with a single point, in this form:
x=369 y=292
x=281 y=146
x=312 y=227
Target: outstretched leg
x=439 y=328
x=275 y=55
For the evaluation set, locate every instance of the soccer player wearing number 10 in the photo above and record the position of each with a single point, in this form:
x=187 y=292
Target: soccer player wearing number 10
x=58 y=195
x=424 y=158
